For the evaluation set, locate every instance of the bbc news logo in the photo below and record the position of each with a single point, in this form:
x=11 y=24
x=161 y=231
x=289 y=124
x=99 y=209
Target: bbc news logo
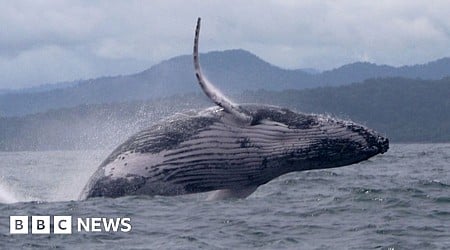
x=63 y=224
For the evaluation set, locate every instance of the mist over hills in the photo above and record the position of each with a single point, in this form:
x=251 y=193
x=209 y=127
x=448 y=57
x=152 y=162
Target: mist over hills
x=41 y=88
x=233 y=71
x=405 y=110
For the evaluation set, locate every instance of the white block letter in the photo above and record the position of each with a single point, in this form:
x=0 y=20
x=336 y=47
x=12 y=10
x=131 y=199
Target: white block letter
x=62 y=224
x=40 y=224
x=18 y=224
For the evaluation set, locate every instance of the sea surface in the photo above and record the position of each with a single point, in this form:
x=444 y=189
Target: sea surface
x=399 y=200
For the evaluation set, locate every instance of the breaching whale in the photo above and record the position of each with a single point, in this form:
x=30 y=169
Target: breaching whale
x=230 y=149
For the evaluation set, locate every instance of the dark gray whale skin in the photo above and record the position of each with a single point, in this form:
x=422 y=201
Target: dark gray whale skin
x=212 y=151
x=230 y=148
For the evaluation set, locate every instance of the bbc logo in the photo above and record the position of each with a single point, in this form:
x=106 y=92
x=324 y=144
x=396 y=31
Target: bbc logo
x=63 y=224
x=40 y=224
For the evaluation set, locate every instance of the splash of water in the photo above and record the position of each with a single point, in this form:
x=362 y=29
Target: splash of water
x=58 y=174
x=7 y=195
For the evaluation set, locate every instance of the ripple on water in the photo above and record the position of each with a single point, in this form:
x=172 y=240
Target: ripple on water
x=399 y=200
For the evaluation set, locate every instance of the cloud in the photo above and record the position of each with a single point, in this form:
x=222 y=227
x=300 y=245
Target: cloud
x=50 y=41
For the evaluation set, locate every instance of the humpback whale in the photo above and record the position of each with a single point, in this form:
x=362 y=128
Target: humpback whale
x=230 y=149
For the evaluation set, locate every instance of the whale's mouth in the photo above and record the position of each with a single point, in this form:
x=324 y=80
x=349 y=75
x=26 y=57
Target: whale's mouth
x=376 y=143
x=380 y=146
x=383 y=144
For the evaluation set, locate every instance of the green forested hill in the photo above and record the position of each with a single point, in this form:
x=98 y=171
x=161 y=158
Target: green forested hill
x=406 y=110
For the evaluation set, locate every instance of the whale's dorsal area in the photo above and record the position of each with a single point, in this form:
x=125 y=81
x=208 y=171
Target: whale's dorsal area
x=212 y=92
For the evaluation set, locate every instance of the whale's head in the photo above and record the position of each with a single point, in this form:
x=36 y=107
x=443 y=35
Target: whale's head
x=308 y=141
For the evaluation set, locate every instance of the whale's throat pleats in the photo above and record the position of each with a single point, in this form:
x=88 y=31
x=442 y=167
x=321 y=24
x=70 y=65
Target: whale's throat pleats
x=212 y=92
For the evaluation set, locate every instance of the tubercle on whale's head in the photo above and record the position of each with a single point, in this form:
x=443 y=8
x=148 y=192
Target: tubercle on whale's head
x=376 y=143
x=315 y=141
x=344 y=143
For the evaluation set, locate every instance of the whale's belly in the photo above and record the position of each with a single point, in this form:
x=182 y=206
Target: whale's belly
x=219 y=157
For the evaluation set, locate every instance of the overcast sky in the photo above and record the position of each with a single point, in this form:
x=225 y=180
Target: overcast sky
x=50 y=41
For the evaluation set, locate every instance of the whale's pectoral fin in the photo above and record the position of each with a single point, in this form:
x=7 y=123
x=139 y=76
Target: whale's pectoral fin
x=231 y=193
x=213 y=93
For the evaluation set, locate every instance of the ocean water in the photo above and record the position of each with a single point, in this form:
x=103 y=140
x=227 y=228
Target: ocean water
x=399 y=200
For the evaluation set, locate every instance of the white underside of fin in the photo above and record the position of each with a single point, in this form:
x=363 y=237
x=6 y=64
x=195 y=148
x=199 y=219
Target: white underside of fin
x=231 y=193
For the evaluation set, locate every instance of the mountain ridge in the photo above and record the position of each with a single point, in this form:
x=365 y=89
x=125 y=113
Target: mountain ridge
x=233 y=71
